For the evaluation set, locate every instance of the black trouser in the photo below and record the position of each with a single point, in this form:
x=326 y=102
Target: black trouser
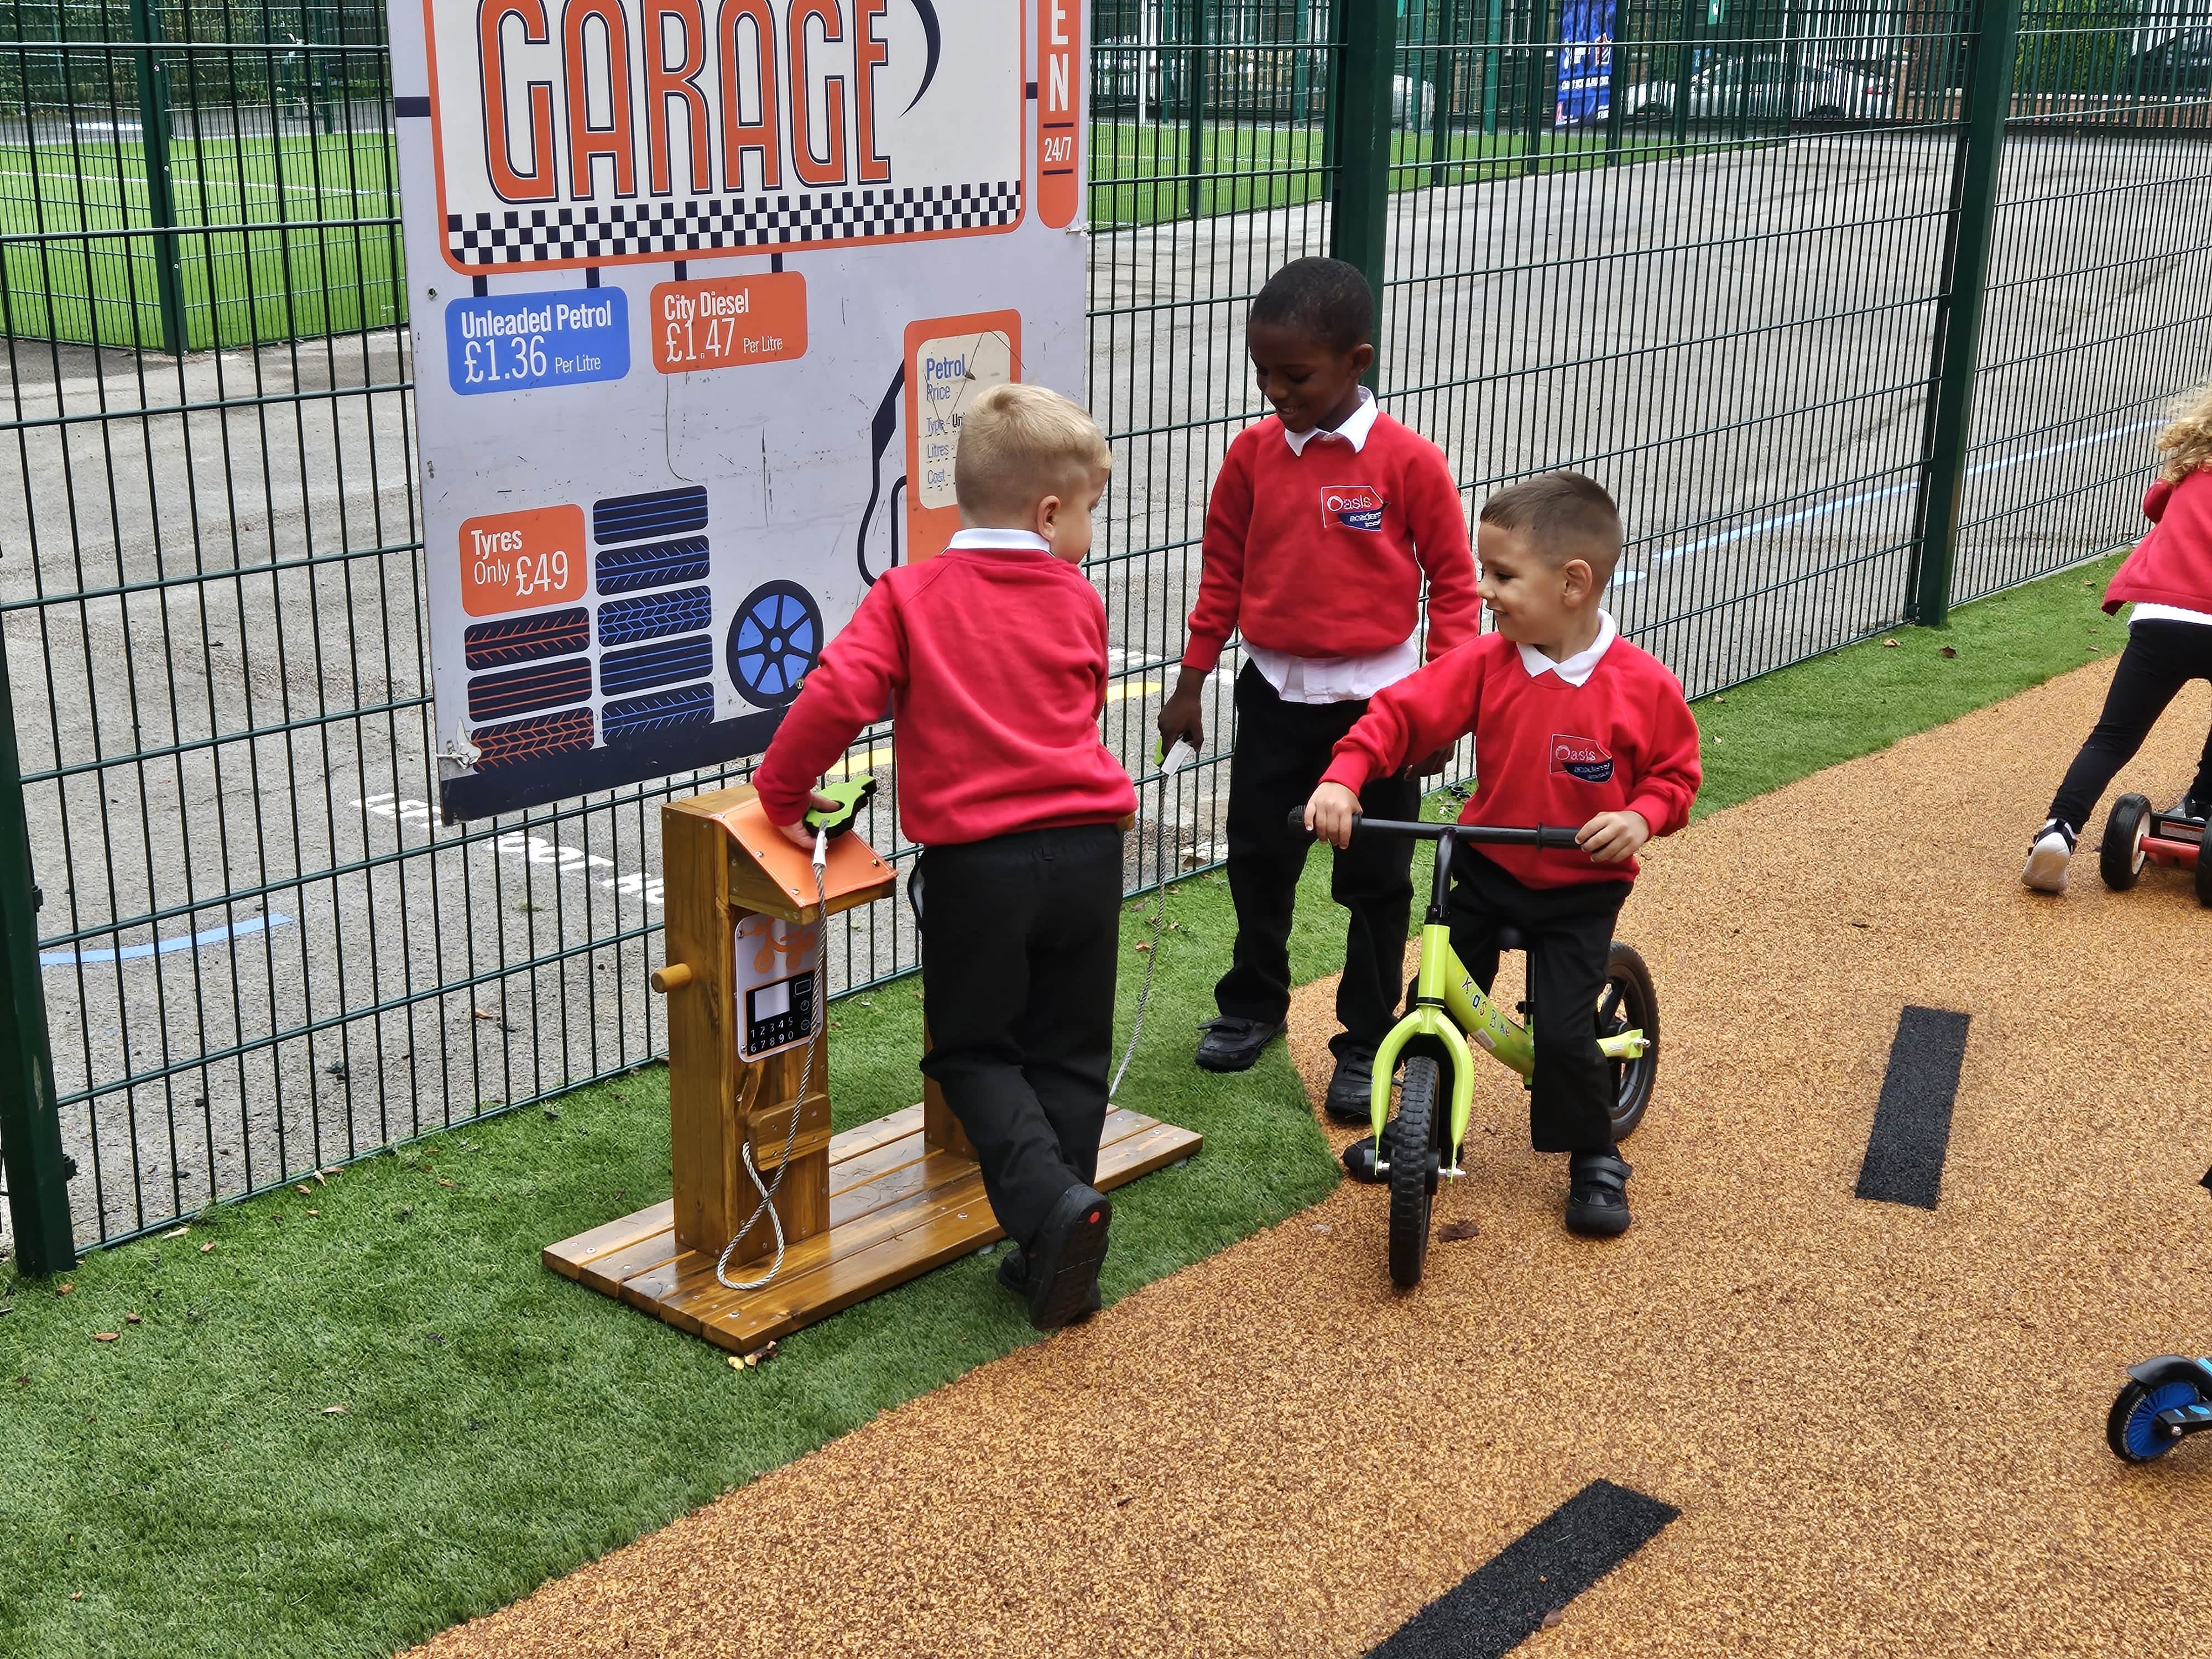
x=1569 y=934
x=1282 y=749
x=1019 y=938
x=2161 y=657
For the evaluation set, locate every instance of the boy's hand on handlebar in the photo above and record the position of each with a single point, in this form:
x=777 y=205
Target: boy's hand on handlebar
x=1612 y=836
x=1181 y=715
x=1331 y=813
x=797 y=834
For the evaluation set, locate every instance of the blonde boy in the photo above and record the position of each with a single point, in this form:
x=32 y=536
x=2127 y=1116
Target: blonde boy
x=993 y=657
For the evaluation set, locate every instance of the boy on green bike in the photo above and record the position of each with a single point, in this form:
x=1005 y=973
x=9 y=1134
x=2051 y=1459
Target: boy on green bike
x=1572 y=725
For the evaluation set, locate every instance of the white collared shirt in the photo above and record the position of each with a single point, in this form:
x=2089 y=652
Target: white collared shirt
x=1335 y=679
x=1354 y=430
x=999 y=541
x=1576 y=669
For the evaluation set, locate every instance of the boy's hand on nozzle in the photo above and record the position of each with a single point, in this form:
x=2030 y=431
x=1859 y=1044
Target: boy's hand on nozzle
x=1331 y=813
x=1181 y=715
x=797 y=833
x=1612 y=836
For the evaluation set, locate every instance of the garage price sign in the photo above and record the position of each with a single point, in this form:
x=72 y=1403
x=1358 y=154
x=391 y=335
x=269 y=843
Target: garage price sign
x=700 y=289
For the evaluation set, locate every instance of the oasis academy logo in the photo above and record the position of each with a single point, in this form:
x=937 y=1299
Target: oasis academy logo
x=1581 y=757
x=1356 y=507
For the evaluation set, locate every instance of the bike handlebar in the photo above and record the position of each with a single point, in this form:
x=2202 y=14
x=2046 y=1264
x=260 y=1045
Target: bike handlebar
x=1543 y=835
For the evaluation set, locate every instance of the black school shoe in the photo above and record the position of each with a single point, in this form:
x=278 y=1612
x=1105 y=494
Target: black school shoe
x=1014 y=1274
x=1233 y=1044
x=1597 y=1195
x=1059 y=1272
x=1351 y=1097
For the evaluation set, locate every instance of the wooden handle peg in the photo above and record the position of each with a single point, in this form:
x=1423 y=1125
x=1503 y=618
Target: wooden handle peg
x=673 y=977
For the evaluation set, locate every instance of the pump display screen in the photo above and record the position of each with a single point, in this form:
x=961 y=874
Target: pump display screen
x=779 y=1014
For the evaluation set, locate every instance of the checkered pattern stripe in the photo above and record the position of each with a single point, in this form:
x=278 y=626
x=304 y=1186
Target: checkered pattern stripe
x=522 y=237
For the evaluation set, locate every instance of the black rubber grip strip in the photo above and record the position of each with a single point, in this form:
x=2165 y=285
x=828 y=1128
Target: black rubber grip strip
x=1503 y=1602
x=1912 y=1123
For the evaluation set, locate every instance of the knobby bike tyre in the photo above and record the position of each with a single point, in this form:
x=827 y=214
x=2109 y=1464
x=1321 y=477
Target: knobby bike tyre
x=1414 y=1138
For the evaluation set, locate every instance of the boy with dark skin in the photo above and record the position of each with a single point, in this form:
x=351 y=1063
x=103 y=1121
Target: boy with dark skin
x=1327 y=521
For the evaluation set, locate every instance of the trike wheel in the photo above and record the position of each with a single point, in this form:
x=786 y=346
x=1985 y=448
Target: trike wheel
x=2132 y=1430
x=1414 y=1139
x=2204 y=869
x=1628 y=1003
x=2120 y=859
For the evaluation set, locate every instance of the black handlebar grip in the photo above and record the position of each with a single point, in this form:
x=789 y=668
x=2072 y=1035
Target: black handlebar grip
x=1549 y=836
x=1298 y=820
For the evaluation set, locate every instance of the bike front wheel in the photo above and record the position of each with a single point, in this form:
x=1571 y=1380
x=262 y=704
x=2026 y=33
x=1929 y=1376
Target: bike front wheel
x=1415 y=1140
x=1628 y=1003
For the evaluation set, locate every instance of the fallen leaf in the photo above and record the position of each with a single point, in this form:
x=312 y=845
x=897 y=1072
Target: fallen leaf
x=737 y=1362
x=1862 y=924
x=304 y=1189
x=481 y=1014
x=179 y=1233
x=205 y=1248
x=132 y=1319
x=1891 y=645
x=1552 y=1618
x=104 y=1336
x=1457 y=1232
x=334 y=1411
x=1144 y=945
x=443 y=1181
x=315 y=1213
x=77 y=1595
x=1950 y=651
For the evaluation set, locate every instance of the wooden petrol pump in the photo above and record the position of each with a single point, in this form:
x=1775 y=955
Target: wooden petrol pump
x=861 y=1211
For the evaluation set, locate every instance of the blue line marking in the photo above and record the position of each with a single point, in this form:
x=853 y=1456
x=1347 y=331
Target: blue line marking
x=162 y=947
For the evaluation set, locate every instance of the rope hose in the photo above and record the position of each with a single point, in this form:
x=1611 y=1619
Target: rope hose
x=769 y=1190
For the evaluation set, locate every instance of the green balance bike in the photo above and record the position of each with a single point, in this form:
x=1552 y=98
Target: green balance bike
x=1420 y=1146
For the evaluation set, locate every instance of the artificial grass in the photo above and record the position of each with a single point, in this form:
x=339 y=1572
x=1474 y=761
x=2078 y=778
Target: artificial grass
x=501 y=1424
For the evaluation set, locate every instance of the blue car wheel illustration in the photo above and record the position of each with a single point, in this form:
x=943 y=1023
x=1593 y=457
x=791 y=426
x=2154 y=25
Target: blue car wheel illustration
x=775 y=640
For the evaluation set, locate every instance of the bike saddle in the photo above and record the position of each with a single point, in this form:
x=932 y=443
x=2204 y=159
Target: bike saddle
x=1509 y=938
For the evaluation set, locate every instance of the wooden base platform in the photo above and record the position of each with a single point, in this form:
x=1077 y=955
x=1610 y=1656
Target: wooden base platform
x=896 y=1210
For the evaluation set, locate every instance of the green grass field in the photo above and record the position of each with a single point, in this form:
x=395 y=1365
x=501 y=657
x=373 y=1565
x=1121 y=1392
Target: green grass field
x=290 y=237
x=280 y=239
x=349 y=1414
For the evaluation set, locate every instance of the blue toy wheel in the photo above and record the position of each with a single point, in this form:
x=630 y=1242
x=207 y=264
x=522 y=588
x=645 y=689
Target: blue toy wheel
x=774 y=642
x=2133 y=1430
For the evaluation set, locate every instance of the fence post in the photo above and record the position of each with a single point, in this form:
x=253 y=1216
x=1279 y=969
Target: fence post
x=1359 y=193
x=30 y=1128
x=154 y=147
x=1194 y=106
x=1444 y=78
x=1958 y=313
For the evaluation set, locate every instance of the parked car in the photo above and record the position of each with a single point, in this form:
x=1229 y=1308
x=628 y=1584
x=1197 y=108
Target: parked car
x=1769 y=88
x=2177 y=67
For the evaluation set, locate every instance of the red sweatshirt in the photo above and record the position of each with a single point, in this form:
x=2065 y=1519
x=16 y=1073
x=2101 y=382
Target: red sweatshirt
x=1545 y=751
x=1321 y=553
x=2173 y=565
x=994 y=663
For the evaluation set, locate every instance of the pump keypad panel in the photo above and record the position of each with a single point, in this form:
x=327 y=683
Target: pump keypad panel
x=779 y=1014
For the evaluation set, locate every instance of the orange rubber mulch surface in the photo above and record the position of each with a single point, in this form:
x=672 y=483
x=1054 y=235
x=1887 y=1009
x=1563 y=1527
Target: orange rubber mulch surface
x=1883 y=1427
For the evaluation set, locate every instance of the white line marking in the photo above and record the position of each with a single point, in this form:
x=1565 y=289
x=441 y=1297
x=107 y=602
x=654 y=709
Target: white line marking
x=1784 y=521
